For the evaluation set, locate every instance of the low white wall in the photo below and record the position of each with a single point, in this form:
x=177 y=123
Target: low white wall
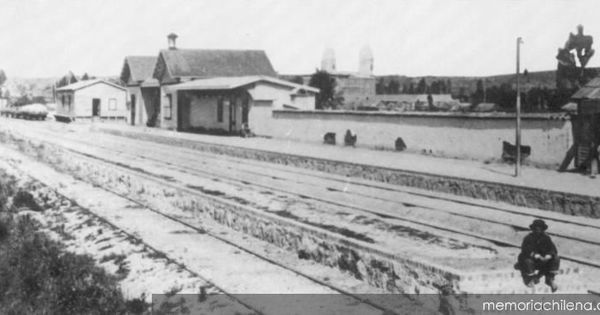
x=470 y=136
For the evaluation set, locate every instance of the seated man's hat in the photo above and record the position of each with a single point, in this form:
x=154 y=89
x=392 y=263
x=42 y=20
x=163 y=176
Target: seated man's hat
x=538 y=223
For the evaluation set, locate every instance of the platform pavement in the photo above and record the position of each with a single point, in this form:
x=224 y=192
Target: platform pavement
x=532 y=177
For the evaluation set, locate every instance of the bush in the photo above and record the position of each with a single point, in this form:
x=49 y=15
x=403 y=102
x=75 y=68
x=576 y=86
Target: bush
x=37 y=276
x=4 y=229
x=25 y=199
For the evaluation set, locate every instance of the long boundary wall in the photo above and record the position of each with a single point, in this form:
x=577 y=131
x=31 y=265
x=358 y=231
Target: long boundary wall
x=476 y=136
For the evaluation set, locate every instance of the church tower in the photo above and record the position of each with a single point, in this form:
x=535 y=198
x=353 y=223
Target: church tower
x=365 y=61
x=328 y=60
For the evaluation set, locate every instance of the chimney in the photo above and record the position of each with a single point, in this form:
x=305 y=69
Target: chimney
x=172 y=38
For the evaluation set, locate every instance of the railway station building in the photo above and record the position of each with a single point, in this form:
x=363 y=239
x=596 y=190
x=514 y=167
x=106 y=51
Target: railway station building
x=231 y=104
x=91 y=99
x=142 y=89
x=208 y=90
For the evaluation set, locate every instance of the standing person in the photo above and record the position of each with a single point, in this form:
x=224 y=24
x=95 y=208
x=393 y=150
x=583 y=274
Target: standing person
x=538 y=253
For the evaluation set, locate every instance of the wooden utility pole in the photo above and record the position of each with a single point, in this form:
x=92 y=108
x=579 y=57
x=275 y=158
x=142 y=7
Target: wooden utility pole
x=518 y=112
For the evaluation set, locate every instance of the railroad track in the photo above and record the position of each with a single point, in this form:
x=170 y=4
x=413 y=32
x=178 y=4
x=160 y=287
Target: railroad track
x=141 y=241
x=150 y=151
x=236 y=297
x=235 y=172
x=156 y=153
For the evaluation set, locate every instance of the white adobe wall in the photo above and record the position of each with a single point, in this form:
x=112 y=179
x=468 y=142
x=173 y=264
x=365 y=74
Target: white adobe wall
x=304 y=102
x=264 y=91
x=260 y=117
x=268 y=97
x=470 y=136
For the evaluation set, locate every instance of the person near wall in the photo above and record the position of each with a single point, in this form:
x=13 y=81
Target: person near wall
x=538 y=257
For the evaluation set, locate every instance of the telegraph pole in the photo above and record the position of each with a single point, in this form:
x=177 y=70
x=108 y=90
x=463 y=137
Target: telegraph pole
x=518 y=113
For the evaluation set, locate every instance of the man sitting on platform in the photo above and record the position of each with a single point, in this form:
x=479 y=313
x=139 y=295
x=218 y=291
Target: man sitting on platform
x=538 y=253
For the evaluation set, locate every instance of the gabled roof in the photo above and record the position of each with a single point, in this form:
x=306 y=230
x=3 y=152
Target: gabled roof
x=83 y=84
x=229 y=83
x=137 y=69
x=590 y=91
x=205 y=63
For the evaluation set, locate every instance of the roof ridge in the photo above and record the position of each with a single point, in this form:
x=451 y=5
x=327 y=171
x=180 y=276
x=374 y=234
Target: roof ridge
x=82 y=84
x=216 y=62
x=211 y=49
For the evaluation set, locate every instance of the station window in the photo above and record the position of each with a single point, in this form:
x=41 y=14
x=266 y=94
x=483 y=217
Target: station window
x=112 y=104
x=220 y=110
x=169 y=107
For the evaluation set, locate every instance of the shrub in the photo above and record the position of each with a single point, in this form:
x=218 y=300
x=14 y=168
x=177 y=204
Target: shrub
x=4 y=229
x=37 y=276
x=25 y=199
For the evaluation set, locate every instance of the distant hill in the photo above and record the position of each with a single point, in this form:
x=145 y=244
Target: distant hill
x=32 y=87
x=537 y=79
x=29 y=86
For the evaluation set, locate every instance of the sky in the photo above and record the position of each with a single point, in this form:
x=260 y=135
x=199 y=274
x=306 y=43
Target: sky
x=48 y=38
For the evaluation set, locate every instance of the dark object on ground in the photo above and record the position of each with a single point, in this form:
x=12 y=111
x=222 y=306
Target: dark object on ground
x=64 y=119
x=26 y=200
x=329 y=138
x=399 y=144
x=152 y=120
x=350 y=138
x=202 y=295
x=246 y=132
x=509 y=152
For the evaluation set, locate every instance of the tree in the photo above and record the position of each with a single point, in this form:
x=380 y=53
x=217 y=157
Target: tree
x=430 y=102
x=405 y=88
x=380 y=87
x=62 y=82
x=393 y=87
x=422 y=86
x=22 y=100
x=435 y=87
x=462 y=94
x=38 y=100
x=326 y=84
x=72 y=79
x=443 y=89
x=86 y=77
x=2 y=77
x=477 y=97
